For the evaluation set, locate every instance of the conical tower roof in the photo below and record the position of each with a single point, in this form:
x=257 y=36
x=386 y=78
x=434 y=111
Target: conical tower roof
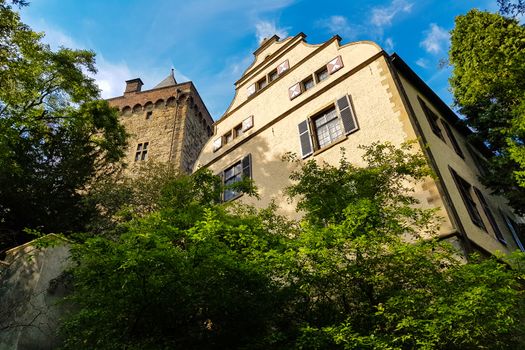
x=168 y=81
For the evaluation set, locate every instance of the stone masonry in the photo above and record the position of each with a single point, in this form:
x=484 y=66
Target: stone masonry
x=168 y=123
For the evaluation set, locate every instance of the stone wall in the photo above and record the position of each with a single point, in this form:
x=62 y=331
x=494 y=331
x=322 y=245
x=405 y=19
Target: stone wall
x=173 y=121
x=32 y=286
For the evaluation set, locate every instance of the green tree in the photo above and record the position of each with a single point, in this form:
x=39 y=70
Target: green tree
x=55 y=135
x=360 y=272
x=373 y=276
x=166 y=283
x=488 y=83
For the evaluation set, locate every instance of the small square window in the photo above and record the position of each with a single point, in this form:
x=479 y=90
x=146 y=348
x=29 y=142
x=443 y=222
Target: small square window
x=228 y=137
x=273 y=75
x=321 y=74
x=308 y=83
x=148 y=115
x=238 y=131
x=261 y=83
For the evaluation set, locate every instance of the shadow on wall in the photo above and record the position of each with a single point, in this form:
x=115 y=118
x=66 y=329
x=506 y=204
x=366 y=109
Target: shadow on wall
x=270 y=172
x=32 y=284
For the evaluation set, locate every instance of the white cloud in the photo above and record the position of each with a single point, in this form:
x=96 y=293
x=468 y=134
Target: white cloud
x=110 y=77
x=389 y=44
x=266 y=29
x=423 y=63
x=54 y=37
x=339 y=25
x=383 y=16
x=436 y=39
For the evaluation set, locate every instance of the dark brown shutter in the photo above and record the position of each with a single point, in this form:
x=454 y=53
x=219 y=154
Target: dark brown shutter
x=490 y=217
x=247 y=166
x=347 y=114
x=452 y=138
x=306 y=140
x=464 y=190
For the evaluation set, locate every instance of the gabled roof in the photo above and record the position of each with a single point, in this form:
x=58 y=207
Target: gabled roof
x=168 y=81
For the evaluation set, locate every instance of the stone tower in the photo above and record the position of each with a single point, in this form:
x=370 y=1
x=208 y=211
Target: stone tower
x=168 y=123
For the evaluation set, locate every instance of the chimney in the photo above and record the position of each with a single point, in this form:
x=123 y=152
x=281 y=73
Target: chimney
x=133 y=85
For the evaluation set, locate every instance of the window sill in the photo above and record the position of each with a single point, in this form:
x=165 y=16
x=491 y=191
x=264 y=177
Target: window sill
x=333 y=144
x=233 y=198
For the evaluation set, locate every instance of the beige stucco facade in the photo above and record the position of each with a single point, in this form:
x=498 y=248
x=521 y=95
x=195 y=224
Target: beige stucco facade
x=263 y=118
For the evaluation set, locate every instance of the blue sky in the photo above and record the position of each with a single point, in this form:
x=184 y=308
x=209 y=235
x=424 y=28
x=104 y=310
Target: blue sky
x=211 y=42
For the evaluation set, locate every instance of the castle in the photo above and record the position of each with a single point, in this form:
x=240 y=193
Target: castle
x=168 y=123
x=313 y=100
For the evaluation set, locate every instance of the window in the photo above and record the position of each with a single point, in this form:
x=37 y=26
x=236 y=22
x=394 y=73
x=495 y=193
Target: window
x=261 y=83
x=327 y=127
x=142 y=151
x=233 y=174
x=515 y=231
x=228 y=137
x=432 y=119
x=465 y=191
x=490 y=217
x=452 y=139
x=148 y=115
x=273 y=75
x=237 y=131
x=321 y=74
x=308 y=83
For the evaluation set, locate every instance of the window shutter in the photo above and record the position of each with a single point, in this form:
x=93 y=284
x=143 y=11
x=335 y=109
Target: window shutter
x=511 y=225
x=334 y=65
x=452 y=138
x=217 y=144
x=247 y=166
x=247 y=123
x=306 y=140
x=250 y=90
x=347 y=114
x=464 y=190
x=488 y=214
x=283 y=67
x=294 y=91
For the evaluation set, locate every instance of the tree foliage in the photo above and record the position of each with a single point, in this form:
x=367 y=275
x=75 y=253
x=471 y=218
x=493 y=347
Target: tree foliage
x=362 y=272
x=488 y=83
x=55 y=135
